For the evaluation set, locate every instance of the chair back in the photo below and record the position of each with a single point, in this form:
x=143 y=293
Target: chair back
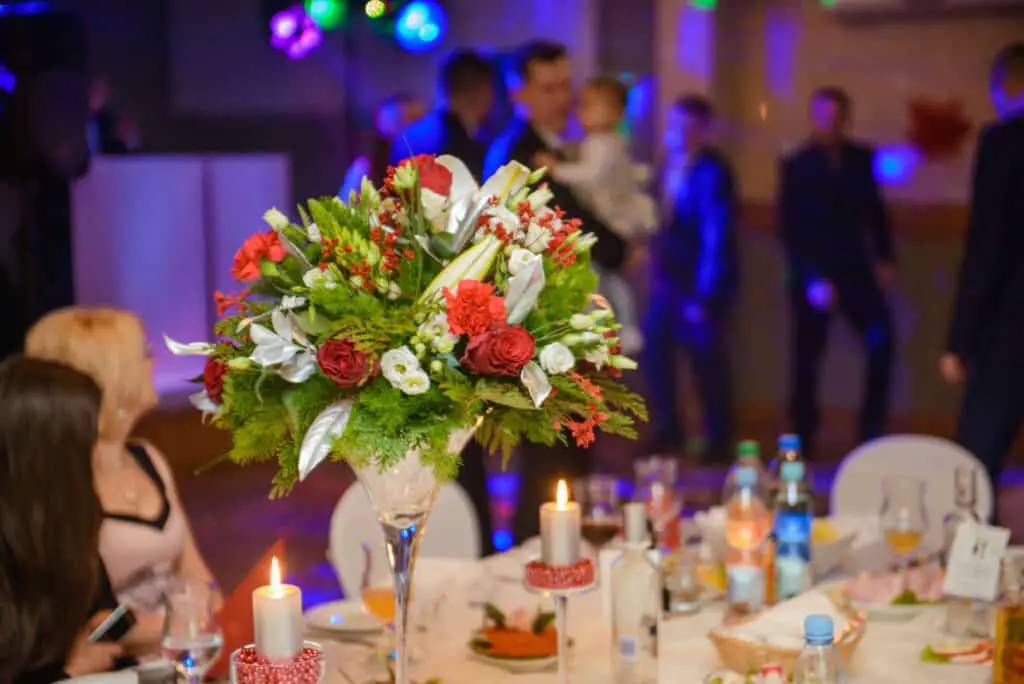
x=857 y=489
x=452 y=531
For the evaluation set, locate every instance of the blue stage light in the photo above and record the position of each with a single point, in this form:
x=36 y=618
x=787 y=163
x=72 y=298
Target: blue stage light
x=420 y=25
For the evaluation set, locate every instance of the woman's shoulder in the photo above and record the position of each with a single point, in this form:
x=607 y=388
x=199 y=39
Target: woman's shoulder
x=156 y=458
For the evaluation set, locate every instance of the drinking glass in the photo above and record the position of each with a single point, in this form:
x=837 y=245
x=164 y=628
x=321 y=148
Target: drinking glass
x=192 y=638
x=598 y=497
x=656 y=479
x=903 y=516
x=378 y=596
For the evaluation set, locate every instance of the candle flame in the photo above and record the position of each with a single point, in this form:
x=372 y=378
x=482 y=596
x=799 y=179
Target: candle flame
x=562 y=495
x=275 y=573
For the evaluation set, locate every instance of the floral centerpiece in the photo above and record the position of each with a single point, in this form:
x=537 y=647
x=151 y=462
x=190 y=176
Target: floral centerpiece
x=388 y=329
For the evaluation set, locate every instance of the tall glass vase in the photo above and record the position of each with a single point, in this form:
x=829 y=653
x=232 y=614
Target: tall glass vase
x=403 y=495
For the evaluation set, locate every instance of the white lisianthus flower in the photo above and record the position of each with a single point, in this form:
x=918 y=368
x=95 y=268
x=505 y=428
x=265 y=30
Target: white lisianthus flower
x=435 y=331
x=276 y=220
x=540 y=197
x=435 y=208
x=556 y=359
x=314 y=278
x=397 y=364
x=506 y=219
x=518 y=259
x=598 y=356
x=590 y=337
x=416 y=382
x=581 y=322
x=539 y=232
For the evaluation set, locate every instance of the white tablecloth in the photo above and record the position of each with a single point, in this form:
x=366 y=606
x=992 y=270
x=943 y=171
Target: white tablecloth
x=889 y=653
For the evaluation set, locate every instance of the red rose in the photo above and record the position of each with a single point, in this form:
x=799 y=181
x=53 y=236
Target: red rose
x=258 y=247
x=343 y=364
x=502 y=350
x=473 y=308
x=213 y=379
x=433 y=176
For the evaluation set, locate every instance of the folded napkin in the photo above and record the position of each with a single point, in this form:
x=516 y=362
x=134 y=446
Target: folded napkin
x=783 y=624
x=236 y=622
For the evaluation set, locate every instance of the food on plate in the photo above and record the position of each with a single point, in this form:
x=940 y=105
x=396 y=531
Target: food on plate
x=769 y=674
x=516 y=637
x=576 y=576
x=917 y=586
x=958 y=652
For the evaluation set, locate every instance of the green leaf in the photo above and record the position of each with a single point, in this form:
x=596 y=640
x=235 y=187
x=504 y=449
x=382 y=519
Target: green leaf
x=930 y=656
x=494 y=614
x=503 y=394
x=541 y=622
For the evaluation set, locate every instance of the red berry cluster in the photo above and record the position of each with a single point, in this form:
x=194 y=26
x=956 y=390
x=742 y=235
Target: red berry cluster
x=391 y=253
x=580 y=574
x=252 y=668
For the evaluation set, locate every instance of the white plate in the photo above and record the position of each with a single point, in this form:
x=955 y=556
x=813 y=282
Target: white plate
x=877 y=611
x=517 y=665
x=343 y=617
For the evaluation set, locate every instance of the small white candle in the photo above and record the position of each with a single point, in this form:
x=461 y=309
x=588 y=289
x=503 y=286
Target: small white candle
x=277 y=618
x=560 y=529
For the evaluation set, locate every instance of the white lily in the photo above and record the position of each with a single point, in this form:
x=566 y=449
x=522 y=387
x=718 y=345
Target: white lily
x=536 y=382
x=190 y=349
x=201 y=400
x=285 y=346
x=524 y=288
x=473 y=264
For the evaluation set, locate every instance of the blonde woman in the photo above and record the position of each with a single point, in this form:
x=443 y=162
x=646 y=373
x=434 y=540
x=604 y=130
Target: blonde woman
x=145 y=539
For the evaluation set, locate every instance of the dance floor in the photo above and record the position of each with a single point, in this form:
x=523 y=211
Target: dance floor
x=234 y=522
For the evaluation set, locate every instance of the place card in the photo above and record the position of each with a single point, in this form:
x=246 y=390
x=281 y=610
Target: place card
x=975 y=560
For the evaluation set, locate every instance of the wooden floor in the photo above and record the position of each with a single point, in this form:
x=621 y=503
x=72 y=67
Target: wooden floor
x=234 y=521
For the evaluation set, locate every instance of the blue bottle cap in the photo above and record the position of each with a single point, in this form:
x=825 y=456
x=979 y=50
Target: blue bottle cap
x=745 y=476
x=789 y=442
x=818 y=628
x=791 y=471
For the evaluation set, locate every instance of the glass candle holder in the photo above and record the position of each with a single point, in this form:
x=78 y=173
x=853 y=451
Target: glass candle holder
x=309 y=667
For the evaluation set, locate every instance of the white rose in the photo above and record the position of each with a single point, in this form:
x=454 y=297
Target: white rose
x=314 y=278
x=398 y=364
x=518 y=259
x=556 y=358
x=416 y=382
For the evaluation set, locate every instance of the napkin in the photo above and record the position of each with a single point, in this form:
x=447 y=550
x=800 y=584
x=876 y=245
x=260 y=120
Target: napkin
x=783 y=624
x=236 y=622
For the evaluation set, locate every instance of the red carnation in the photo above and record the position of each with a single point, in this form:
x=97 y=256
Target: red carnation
x=433 y=176
x=213 y=379
x=343 y=363
x=259 y=246
x=502 y=350
x=473 y=308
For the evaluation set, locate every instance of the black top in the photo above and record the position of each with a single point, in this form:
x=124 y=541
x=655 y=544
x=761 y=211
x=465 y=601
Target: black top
x=695 y=250
x=987 y=320
x=440 y=132
x=831 y=212
x=146 y=463
x=520 y=142
x=54 y=672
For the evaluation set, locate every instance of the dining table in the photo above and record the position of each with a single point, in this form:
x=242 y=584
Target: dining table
x=448 y=608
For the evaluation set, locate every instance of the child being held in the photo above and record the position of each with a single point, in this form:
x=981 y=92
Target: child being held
x=611 y=185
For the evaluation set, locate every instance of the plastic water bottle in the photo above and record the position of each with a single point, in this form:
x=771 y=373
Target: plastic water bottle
x=819 y=662
x=792 y=519
x=746 y=527
x=747 y=455
x=789 y=450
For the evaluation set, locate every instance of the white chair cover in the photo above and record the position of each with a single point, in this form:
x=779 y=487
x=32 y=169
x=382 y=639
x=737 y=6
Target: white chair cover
x=857 y=488
x=453 y=531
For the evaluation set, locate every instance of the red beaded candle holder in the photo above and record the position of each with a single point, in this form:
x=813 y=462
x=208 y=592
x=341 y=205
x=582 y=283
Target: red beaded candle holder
x=560 y=582
x=249 y=667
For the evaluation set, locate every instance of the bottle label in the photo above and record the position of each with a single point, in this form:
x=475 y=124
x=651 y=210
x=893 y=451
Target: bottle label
x=793 y=528
x=745 y=586
x=629 y=647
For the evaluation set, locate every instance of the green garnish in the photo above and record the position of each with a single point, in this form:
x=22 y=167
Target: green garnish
x=541 y=622
x=494 y=614
x=907 y=598
x=930 y=656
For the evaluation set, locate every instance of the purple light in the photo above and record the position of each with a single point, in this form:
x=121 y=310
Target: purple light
x=294 y=32
x=285 y=24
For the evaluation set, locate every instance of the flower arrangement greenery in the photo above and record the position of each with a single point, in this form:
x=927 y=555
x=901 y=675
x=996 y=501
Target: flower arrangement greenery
x=408 y=313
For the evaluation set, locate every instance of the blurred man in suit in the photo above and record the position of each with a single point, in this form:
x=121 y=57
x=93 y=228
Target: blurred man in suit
x=543 y=94
x=986 y=337
x=467 y=91
x=692 y=282
x=839 y=246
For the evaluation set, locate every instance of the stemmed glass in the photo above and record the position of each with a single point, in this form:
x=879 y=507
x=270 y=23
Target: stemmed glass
x=656 y=479
x=378 y=597
x=598 y=496
x=904 y=517
x=192 y=638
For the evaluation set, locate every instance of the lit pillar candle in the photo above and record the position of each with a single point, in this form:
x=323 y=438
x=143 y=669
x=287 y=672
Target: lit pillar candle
x=277 y=618
x=560 y=529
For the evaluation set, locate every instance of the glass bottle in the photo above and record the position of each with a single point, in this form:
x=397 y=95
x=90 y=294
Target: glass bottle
x=964 y=617
x=636 y=603
x=1008 y=658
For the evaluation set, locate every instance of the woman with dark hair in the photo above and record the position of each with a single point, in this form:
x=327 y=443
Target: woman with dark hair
x=53 y=588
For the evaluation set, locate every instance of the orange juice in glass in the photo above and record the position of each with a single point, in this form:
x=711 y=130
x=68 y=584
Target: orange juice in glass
x=380 y=601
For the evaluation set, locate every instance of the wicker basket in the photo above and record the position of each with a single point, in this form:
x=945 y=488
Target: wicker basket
x=740 y=655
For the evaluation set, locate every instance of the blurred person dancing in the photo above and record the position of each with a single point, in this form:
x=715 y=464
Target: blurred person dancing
x=392 y=116
x=986 y=337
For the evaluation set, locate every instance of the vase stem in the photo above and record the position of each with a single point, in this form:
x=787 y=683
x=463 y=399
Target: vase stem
x=402 y=543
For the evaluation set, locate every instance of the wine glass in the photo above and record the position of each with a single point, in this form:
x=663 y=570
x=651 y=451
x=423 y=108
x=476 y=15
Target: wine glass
x=903 y=516
x=656 y=479
x=598 y=497
x=192 y=638
x=378 y=596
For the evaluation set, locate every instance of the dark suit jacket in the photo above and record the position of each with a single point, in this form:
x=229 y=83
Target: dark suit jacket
x=520 y=142
x=987 y=318
x=695 y=251
x=439 y=132
x=832 y=218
